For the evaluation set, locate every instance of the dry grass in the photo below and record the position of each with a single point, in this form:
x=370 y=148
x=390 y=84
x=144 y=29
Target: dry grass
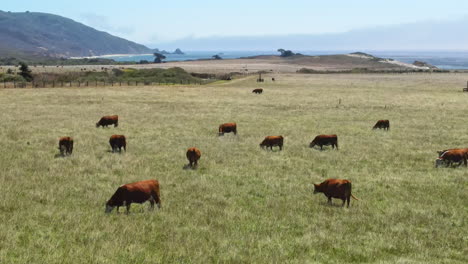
x=243 y=204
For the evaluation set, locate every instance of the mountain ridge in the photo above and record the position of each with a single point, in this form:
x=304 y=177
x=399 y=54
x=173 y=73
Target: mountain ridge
x=43 y=34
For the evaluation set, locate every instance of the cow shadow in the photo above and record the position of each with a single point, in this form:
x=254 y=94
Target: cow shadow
x=188 y=167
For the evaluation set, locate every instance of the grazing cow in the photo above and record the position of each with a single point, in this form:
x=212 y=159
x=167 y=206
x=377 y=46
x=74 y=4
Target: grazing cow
x=108 y=120
x=271 y=141
x=193 y=155
x=440 y=152
x=451 y=156
x=66 y=146
x=118 y=142
x=257 y=91
x=227 y=128
x=137 y=192
x=335 y=188
x=324 y=140
x=385 y=124
x=273 y=79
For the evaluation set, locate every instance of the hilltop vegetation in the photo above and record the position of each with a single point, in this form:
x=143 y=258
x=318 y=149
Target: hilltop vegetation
x=242 y=204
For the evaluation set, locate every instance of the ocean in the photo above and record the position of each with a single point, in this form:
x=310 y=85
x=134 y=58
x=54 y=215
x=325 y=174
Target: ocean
x=450 y=60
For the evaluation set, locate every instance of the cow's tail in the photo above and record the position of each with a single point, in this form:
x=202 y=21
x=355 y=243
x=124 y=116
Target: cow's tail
x=354 y=197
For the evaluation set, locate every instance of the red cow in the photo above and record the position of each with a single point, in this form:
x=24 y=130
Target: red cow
x=451 y=156
x=137 y=192
x=118 y=142
x=193 y=155
x=227 y=128
x=108 y=120
x=324 y=140
x=335 y=188
x=66 y=146
x=385 y=124
x=271 y=141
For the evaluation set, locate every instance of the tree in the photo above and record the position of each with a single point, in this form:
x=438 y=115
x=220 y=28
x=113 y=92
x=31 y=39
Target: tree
x=25 y=72
x=216 y=57
x=286 y=53
x=158 y=57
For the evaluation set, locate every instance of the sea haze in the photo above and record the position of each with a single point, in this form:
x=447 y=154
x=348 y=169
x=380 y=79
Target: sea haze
x=440 y=59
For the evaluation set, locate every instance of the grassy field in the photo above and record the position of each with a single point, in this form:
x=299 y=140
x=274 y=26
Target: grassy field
x=242 y=204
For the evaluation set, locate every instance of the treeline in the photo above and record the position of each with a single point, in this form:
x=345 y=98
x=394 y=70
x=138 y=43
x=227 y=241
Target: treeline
x=171 y=75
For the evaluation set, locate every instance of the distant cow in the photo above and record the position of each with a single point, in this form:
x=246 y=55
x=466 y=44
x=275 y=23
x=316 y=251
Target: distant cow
x=66 y=146
x=273 y=79
x=335 y=188
x=137 y=192
x=228 y=128
x=118 y=142
x=384 y=124
x=452 y=156
x=257 y=91
x=324 y=140
x=271 y=141
x=108 y=120
x=193 y=155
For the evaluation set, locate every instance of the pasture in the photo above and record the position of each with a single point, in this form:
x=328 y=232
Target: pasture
x=242 y=204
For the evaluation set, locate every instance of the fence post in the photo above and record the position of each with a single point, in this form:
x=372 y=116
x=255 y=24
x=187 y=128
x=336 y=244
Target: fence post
x=87 y=84
x=120 y=83
x=112 y=83
x=96 y=83
x=79 y=83
x=70 y=84
x=128 y=83
x=136 y=83
x=4 y=84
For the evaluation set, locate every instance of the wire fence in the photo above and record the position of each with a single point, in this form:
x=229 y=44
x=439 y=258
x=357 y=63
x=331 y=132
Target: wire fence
x=60 y=84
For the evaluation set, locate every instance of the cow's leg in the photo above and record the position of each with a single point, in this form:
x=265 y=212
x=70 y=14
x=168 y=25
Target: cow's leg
x=118 y=207
x=348 y=200
x=329 y=200
x=321 y=147
x=344 y=200
x=281 y=147
x=128 y=207
x=151 y=203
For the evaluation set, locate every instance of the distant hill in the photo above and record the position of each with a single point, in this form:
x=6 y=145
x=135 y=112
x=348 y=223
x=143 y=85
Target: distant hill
x=41 y=34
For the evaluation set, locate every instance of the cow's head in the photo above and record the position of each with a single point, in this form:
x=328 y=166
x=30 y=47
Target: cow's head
x=438 y=162
x=312 y=144
x=97 y=124
x=262 y=145
x=109 y=206
x=316 y=188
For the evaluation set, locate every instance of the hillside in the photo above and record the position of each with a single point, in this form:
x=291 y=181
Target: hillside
x=32 y=33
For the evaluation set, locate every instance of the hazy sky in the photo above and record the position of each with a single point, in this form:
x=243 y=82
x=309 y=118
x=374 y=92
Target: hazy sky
x=155 y=21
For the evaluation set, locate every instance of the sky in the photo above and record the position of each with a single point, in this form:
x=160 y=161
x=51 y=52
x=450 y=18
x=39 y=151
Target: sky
x=153 y=21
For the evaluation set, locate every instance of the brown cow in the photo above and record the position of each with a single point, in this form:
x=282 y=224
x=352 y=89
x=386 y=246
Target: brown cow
x=193 y=155
x=227 y=128
x=385 y=124
x=66 y=146
x=118 y=142
x=257 y=91
x=271 y=141
x=108 y=120
x=324 y=140
x=451 y=156
x=137 y=192
x=335 y=188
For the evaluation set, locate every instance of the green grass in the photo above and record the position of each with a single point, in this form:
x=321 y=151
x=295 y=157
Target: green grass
x=243 y=204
